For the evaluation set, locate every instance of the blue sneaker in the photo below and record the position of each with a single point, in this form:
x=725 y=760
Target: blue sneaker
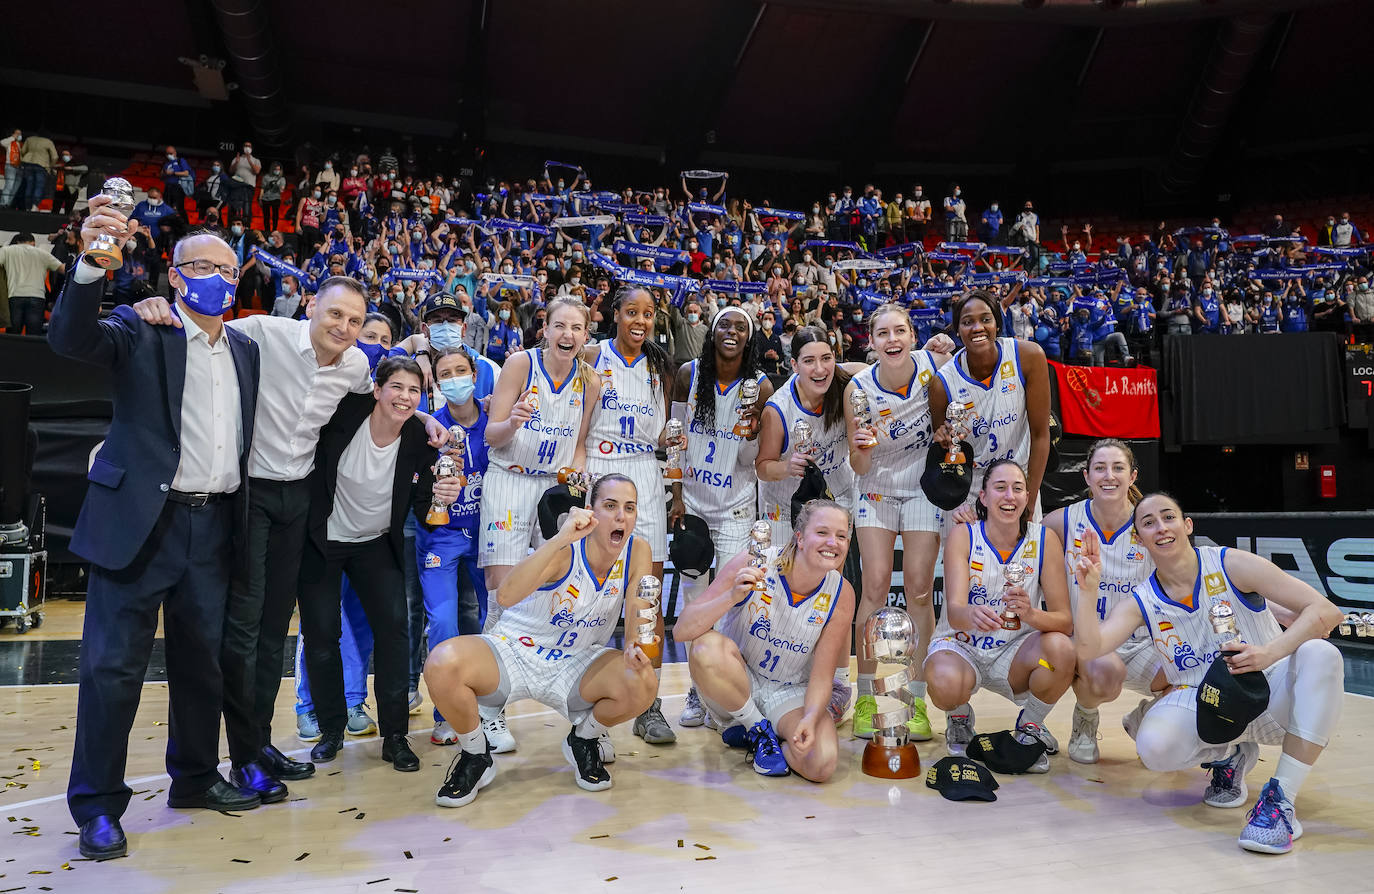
x=1272 y=827
x=359 y=723
x=766 y=752
x=307 y=727
x=735 y=736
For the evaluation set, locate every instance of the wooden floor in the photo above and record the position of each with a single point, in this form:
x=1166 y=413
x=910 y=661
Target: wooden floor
x=692 y=816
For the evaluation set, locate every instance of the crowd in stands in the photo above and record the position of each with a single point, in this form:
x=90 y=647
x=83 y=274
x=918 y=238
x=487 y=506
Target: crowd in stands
x=504 y=248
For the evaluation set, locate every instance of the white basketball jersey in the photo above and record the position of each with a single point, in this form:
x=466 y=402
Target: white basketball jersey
x=575 y=614
x=830 y=452
x=1000 y=423
x=545 y=443
x=903 y=421
x=719 y=477
x=1183 y=634
x=1124 y=560
x=986 y=572
x=631 y=414
x=777 y=630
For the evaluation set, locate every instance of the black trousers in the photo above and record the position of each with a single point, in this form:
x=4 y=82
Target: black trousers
x=375 y=573
x=183 y=568
x=262 y=596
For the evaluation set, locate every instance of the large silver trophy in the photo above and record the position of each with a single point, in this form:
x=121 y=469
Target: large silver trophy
x=1013 y=575
x=646 y=632
x=105 y=251
x=889 y=638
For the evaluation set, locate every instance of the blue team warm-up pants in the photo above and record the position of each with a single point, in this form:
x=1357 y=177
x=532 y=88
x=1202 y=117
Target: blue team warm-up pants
x=455 y=591
x=355 y=648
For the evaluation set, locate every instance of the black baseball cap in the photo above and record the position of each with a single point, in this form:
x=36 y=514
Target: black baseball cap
x=691 y=549
x=553 y=505
x=960 y=779
x=1003 y=754
x=441 y=301
x=947 y=484
x=1227 y=702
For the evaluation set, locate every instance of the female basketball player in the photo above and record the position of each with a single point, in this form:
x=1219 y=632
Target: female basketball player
x=625 y=431
x=537 y=423
x=766 y=672
x=1032 y=665
x=718 y=478
x=1111 y=476
x=1305 y=671
x=814 y=393
x=888 y=457
x=562 y=604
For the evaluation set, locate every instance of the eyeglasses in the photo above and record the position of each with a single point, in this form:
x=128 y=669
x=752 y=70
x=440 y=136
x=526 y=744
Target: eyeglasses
x=201 y=267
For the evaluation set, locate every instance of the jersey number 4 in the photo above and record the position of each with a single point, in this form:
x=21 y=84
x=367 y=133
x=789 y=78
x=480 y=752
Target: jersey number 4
x=547 y=449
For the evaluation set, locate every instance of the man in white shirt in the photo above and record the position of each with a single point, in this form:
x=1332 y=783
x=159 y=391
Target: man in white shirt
x=25 y=266
x=307 y=368
x=164 y=501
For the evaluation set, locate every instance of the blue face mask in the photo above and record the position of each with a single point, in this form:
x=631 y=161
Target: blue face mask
x=375 y=352
x=505 y=315
x=210 y=295
x=457 y=390
x=445 y=335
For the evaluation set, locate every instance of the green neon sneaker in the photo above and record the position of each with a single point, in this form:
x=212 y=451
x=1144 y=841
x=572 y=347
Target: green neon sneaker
x=864 y=707
x=918 y=727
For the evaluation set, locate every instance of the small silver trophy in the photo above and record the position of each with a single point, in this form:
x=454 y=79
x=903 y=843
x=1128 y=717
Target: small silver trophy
x=1013 y=575
x=444 y=468
x=646 y=632
x=673 y=433
x=760 y=541
x=802 y=441
x=748 y=396
x=105 y=251
x=1223 y=620
x=889 y=637
x=863 y=417
x=957 y=415
x=578 y=482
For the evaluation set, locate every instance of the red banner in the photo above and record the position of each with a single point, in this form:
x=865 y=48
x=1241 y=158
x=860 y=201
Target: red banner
x=1108 y=403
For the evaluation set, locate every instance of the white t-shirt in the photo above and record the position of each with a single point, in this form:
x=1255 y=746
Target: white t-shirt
x=362 y=495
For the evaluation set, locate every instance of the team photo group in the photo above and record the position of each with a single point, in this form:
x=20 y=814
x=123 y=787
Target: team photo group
x=520 y=412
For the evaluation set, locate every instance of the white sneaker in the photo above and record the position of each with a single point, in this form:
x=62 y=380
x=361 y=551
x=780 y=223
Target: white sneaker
x=502 y=742
x=1039 y=732
x=693 y=711
x=710 y=721
x=443 y=734
x=1131 y=722
x=607 y=747
x=1227 y=789
x=1083 y=740
x=959 y=729
x=1272 y=826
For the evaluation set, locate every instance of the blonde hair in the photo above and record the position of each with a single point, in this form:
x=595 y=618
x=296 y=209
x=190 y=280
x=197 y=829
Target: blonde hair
x=788 y=556
x=1133 y=494
x=584 y=369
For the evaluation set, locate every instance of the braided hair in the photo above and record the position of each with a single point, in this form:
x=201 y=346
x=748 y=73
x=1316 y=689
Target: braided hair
x=654 y=355
x=705 y=411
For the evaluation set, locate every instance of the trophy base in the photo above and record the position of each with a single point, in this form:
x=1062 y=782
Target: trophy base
x=652 y=650
x=955 y=459
x=437 y=519
x=1011 y=623
x=673 y=474
x=743 y=431
x=891 y=761
x=104 y=258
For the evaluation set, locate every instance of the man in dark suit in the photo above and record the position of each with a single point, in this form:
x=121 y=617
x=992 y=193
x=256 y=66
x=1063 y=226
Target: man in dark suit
x=164 y=502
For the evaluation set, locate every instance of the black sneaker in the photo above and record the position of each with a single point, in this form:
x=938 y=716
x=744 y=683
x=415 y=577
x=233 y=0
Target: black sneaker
x=467 y=775
x=585 y=756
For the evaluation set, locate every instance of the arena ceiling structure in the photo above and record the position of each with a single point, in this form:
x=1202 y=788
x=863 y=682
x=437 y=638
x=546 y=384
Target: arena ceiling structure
x=1001 y=88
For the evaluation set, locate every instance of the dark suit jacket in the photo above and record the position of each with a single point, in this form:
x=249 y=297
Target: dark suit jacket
x=133 y=471
x=413 y=460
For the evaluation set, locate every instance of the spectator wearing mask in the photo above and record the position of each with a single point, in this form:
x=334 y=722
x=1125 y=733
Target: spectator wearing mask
x=990 y=224
x=892 y=219
x=1328 y=311
x=152 y=210
x=273 y=185
x=131 y=278
x=503 y=338
x=1208 y=315
x=917 y=215
x=689 y=332
x=310 y=217
x=213 y=192
x=178 y=179
x=1295 y=308
x=26 y=266
x=1345 y=234
x=243 y=175
x=291 y=301
x=956 y=224
x=13 y=148
x=36 y=165
x=1362 y=309
x=68 y=175
x=768 y=347
x=328 y=178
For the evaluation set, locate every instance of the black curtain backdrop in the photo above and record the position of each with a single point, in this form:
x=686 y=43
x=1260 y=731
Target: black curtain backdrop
x=1252 y=389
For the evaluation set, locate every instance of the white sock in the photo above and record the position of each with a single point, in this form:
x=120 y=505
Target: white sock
x=917 y=688
x=748 y=715
x=474 y=742
x=865 y=684
x=842 y=676
x=1035 y=711
x=1091 y=712
x=964 y=710
x=590 y=728
x=1290 y=775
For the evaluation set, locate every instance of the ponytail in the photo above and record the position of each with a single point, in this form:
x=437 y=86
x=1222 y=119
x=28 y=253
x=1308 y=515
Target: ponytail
x=1133 y=494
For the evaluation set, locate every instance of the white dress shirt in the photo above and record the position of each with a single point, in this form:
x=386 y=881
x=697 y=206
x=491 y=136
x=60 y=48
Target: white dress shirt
x=296 y=396
x=362 y=493
x=211 y=423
